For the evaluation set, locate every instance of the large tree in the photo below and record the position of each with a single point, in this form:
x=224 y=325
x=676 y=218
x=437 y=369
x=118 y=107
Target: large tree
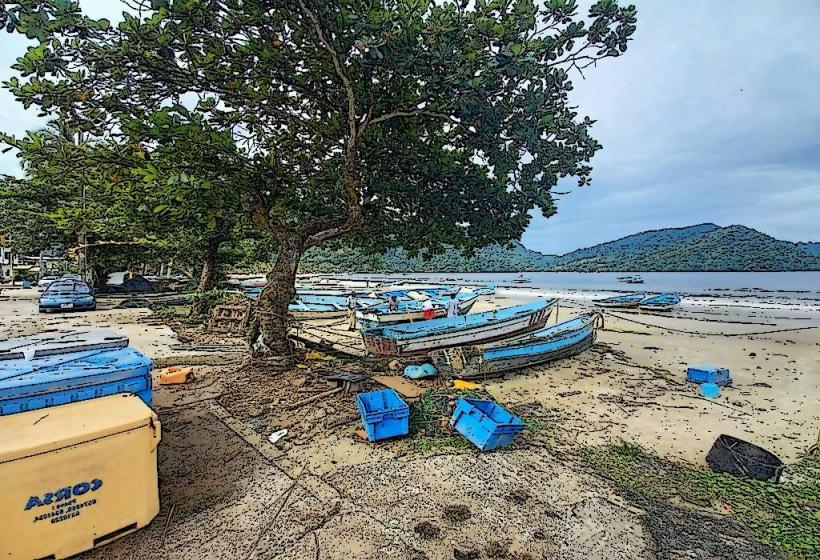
x=405 y=122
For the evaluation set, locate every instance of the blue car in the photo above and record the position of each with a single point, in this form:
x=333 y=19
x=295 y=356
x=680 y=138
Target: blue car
x=68 y=295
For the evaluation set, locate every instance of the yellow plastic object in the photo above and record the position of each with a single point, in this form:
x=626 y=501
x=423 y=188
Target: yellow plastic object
x=459 y=384
x=76 y=476
x=315 y=355
x=175 y=375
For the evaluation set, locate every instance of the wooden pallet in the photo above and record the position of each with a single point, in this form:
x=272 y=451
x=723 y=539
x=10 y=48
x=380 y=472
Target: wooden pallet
x=229 y=318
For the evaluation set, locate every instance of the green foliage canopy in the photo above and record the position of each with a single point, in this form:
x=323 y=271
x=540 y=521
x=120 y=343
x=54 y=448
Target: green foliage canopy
x=428 y=122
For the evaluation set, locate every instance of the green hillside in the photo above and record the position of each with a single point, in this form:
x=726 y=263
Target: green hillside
x=703 y=247
x=495 y=258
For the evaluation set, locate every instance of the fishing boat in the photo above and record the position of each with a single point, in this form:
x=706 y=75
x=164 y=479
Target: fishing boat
x=662 y=302
x=307 y=306
x=413 y=310
x=486 y=290
x=418 y=293
x=624 y=301
x=545 y=345
x=413 y=339
x=635 y=279
x=521 y=280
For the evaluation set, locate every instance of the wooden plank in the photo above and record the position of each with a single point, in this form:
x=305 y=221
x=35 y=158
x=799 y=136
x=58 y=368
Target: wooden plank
x=401 y=385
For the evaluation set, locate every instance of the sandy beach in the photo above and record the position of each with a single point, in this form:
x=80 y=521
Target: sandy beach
x=226 y=492
x=632 y=384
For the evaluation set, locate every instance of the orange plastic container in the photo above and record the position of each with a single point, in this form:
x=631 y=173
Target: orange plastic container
x=76 y=476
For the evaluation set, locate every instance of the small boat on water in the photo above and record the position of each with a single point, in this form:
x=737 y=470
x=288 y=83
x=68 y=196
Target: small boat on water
x=521 y=280
x=662 y=302
x=621 y=302
x=413 y=310
x=635 y=279
x=412 y=339
x=550 y=343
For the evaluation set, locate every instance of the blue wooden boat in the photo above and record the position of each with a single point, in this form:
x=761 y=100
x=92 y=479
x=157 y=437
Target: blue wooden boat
x=624 y=301
x=413 y=339
x=662 y=302
x=486 y=290
x=545 y=345
x=306 y=306
x=319 y=306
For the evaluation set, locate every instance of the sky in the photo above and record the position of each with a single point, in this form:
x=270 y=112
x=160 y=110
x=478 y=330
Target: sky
x=712 y=115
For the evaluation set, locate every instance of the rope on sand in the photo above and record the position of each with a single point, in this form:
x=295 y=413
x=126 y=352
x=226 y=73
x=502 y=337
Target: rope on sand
x=670 y=329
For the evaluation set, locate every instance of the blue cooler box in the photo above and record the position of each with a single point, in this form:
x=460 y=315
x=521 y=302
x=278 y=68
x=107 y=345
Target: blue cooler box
x=705 y=373
x=73 y=375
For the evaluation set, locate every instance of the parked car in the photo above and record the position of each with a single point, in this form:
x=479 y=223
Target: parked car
x=71 y=276
x=68 y=295
x=46 y=281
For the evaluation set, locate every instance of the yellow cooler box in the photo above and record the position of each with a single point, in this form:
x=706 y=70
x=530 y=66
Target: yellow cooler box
x=76 y=476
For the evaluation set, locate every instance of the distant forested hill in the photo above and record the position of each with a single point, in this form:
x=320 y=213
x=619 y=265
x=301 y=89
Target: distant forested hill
x=704 y=247
x=494 y=258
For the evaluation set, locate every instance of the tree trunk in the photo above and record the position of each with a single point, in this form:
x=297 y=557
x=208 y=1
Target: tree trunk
x=207 y=278
x=99 y=277
x=268 y=334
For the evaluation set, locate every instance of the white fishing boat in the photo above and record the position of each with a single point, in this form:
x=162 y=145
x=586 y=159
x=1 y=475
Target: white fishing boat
x=413 y=310
x=411 y=339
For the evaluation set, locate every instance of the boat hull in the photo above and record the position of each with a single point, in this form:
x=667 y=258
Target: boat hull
x=483 y=362
x=665 y=307
x=496 y=368
x=618 y=305
x=662 y=302
x=620 y=302
x=381 y=345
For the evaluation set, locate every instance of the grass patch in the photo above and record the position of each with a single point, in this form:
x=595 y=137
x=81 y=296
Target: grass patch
x=784 y=516
x=430 y=420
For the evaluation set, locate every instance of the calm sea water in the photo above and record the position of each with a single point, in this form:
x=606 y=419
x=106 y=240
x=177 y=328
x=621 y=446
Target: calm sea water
x=765 y=285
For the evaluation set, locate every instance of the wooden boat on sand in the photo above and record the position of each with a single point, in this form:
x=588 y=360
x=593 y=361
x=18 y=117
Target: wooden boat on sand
x=662 y=302
x=325 y=307
x=621 y=302
x=413 y=339
x=545 y=345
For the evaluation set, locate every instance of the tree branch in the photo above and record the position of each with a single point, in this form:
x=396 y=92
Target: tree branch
x=417 y=113
x=337 y=65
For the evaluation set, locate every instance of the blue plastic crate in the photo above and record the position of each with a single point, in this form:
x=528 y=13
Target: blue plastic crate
x=485 y=424
x=706 y=373
x=384 y=414
x=73 y=376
